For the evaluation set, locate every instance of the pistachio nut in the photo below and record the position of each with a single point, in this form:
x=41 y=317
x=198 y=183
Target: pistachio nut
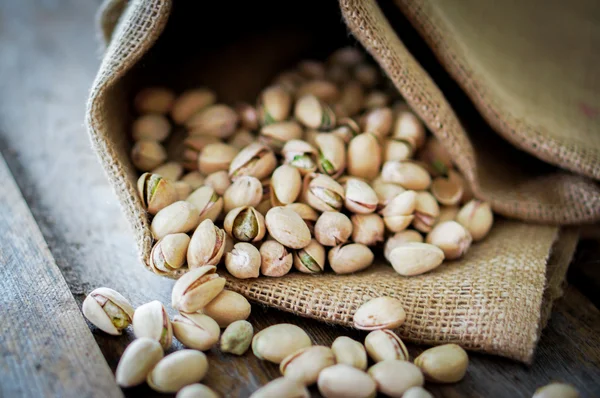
x=408 y=175
x=191 y=102
x=339 y=381
x=108 y=310
x=351 y=257
x=435 y=155
x=276 y=135
x=301 y=155
x=447 y=213
x=248 y=116
x=427 y=211
x=196 y=331
x=346 y=56
x=360 y=197
x=192 y=148
x=274 y=105
x=147 y=155
x=443 y=364
x=156 y=192
x=241 y=138
x=196 y=288
x=256 y=160
x=477 y=217
x=556 y=390
x=286 y=184
x=385 y=191
x=367 y=75
x=306 y=363
x=245 y=224
x=313 y=113
x=216 y=120
x=408 y=127
x=332 y=154
x=282 y=387
x=376 y=99
x=378 y=122
x=275 y=259
x=151 y=320
x=448 y=190
x=137 y=361
x=219 y=181
x=333 y=228
x=183 y=190
x=350 y=352
x=383 y=345
x=244 y=191
x=417 y=392
x=243 y=261
x=398 y=213
x=151 y=127
x=379 y=313
x=311 y=69
x=287 y=228
x=227 y=308
x=206 y=246
x=311 y=259
x=352 y=97
x=337 y=74
x=322 y=192
x=346 y=129
x=170 y=171
x=367 y=229
x=307 y=213
x=237 y=337
x=194 y=179
x=276 y=342
x=177 y=370
x=178 y=217
x=400 y=238
x=154 y=100
x=452 y=238
x=169 y=253
x=397 y=150
x=206 y=200
x=216 y=157
x=322 y=89
x=196 y=390
x=395 y=377
x=414 y=258
x=359 y=163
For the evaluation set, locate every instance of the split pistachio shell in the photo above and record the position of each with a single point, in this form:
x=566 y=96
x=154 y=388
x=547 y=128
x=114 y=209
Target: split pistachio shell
x=227 y=308
x=380 y=313
x=398 y=213
x=256 y=160
x=154 y=100
x=245 y=224
x=286 y=184
x=108 y=310
x=248 y=116
x=322 y=192
x=333 y=228
x=408 y=127
x=274 y=105
x=346 y=129
x=426 y=213
x=286 y=227
x=435 y=155
x=244 y=191
x=311 y=259
x=376 y=99
x=301 y=155
x=169 y=253
x=348 y=258
x=352 y=97
x=452 y=238
x=367 y=229
x=306 y=363
x=170 y=171
x=193 y=146
x=378 y=121
x=332 y=154
x=477 y=217
x=401 y=238
x=397 y=150
x=367 y=75
x=282 y=387
x=196 y=331
x=395 y=377
x=177 y=370
x=207 y=201
x=243 y=261
x=275 y=135
x=314 y=114
x=237 y=337
x=196 y=390
x=206 y=246
x=196 y=288
x=364 y=156
x=147 y=155
x=151 y=320
x=152 y=127
x=346 y=56
x=219 y=181
x=360 y=197
x=556 y=390
x=447 y=213
x=448 y=190
x=408 y=175
x=383 y=345
x=350 y=352
x=417 y=392
x=215 y=120
x=340 y=381
x=443 y=364
x=415 y=258
x=241 y=138
x=278 y=341
x=155 y=192
x=322 y=89
x=307 y=213
x=137 y=361
x=191 y=102
x=216 y=157
x=276 y=260
x=178 y=217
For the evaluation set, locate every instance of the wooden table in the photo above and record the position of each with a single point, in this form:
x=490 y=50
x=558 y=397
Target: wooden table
x=64 y=234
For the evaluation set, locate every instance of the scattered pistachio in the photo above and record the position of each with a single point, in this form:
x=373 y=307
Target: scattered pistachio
x=345 y=381
x=244 y=191
x=443 y=364
x=227 y=308
x=359 y=163
x=216 y=157
x=322 y=89
x=169 y=253
x=219 y=181
x=216 y=120
x=412 y=258
x=247 y=115
x=400 y=238
x=237 y=337
x=408 y=175
x=452 y=238
x=245 y=224
x=206 y=245
x=276 y=135
x=286 y=184
x=151 y=320
x=193 y=145
x=378 y=121
x=383 y=345
x=435 y=155
x=395 y=377
x=427 y=211
x=278 y=341
x=137 y=361
x=397 y=150
x=241 y=138
x=367 y=229
x=350 y=257
x=417 y=392
x=196 y=390
x=170 y=171
x=360 y=197
x=408 y=127
x=155 y=192
x=177 y=370
x=256 y=160
x=379 y=313
x=322 y=192
x=556 y=390
x=307 y=213
x=108 y=310
x=282 y=387
x=286 y=227
x=207 y=201
x=243 y=261
x=276 y=260
x=196 y=288
x=306 y=363
x=448 y=190
x=367 y=75
x=352 y=97
x=477 y=217
x=274 y=105
x=314 y=113
x=349 y=352
x=147 y=155
x=301 y=155
x=196 y=331
x=178 y=217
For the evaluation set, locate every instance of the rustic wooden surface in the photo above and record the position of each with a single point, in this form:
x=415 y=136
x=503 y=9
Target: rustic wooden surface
x=48 y=59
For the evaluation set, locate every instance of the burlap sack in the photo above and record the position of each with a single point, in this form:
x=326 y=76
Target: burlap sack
x=496 y=300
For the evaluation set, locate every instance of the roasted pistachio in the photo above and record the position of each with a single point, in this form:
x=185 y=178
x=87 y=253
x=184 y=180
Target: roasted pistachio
x=197 y=331
x=194 y=179
x=245 y=224
x=192 y=148
x=274 y=105
x=147 y=155
x=345 y=381
x=427 y=211
x=216 y=120
x=219 y=181
x=398 y=213
x=108 y=310
x=448 y=190
x=447 y=213
x=322 y=192
x=178 y=217
x=306 y=363
x=556 y=390
x=477 y=217
x=349 y=352
x=156 y=192
x=196 y=288
x=241 y=138
x=435 y=155
x=397 y=150
x=311 y=259
x=206 y=246
x=378 y=122
x=367 y=229
x=206 y=200
x=408 y=175
x=276 y=342
x=216 y=157
x=417 y=392
x=322 y=89
x=313 y=113
x=400 y=238
x=286 y=184
x=346 y=129
x=256 y=160
x=196 y=390
x=154 y=100
x=333 y=228
x=169 y=253
x=395 y=377
x=137 y=361
x=244 y=191
x=243 y=261
x=348 y=258
x=376 y=99
x=276 y=260
x=151 y=320
x=360 y=197
x=415 y=258
x=178 y=370
x=443 y=364
x=301 y=155
x=276 y=135
x=385 y=191
x=383 y=345
x=332 y=154
x=286 y=227
x=191 y=102
x=408 y=127
x=183 y=190
x=282 y=387
x=307 y=213
x=364 y=156
x=170 y=171
x=452 y=238
x=247 y=115
x=237 y=337
x=379 y=313
x=151 y=127
x=227 y=308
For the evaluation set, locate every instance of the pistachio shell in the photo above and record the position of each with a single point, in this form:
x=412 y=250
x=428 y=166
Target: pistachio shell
x=137 y=361
x=245 y=224
x=346 y=129
x=108 y=310
x=447 y=213
x=376 y=99
x=379 y=313
x=448 y=190
x=417 y=392
x=345 y=381
x=322 y=192
x=332 y=154
x=183 y=190
x=426 y=212
x=196 y=331
x=206 y=246
x=191 y=102
x=154 y=100
x=306 y=363
x=395 y=377
x=178 y=370
x=443 y=364
x=367 y=229
x=243 y=261
x=397 y=150
x=378 y=121
x=286 y=184
x=276 y=342
x=196 y=288
x=360 y=197
x=322 y=89
x=435 y=155
x=452 y=238
x=400 y=238
x=402 y=204
x=274 y=105
x=415 y=258
x=248 y=116
x=241 y=138
x=244 y=191
x=147 y=155
x=237 y=337
x=301 y=155
x=556 y=390
x=219 y=181
x=216 y=157
x=307 y=213
x=206 y=200
x=170 y=171
x=215 y=120
x=196 y=390
x=169 y=253
x=282 y=387
x=337 y=74
x=477 y=218
x=177 y=217
x=313 y=113
x=286 y=227
x=408 y=175
x=155 y=192
x=333 y=228
x=359 y=164
x=275 y=135
x=348 y=258
x=227 y=308
x=151 y=320
x=311 y=259
x=275 y=259
x=383 y=345
x=408 y=127
x=349 y=352
x=152 y=127
x=255 y=160
x=192 y=147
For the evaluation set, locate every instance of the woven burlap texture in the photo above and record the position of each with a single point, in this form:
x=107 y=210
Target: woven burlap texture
x=491 y=301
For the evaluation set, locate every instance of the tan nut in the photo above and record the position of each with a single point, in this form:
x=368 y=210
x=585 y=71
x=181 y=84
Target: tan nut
x=408 y=127
x=274 y=105
x=237 y=337
x=169 y=253
x=196 y=331
x=380 y=313
x=333 y=228
x=216 y=157
x=477 y=217
x=170 y=171
x=227 y=308
x=196 y=390
x=360 y=197
x=311 y=69
x=192 y=148
x=276 y=342
x=194 y=179
x=322 y=89
x=395 y=377
x=452 y=238
x=435 y=155
x=397 y=150
x=155 y=192
x=178 y=370
x=244 y=191
x=345 y=381
x=256 y=160
x=556 y=390
x=301 y=155
x=137 y=361
x=332 y=154
x=346 y=129
x=183 y=190
x=307 y=213
x=426 y=213
x=348 y=258
x=108 y=310
x=147 y=155
x=245 y=224
x=376 y=99
x=241 y=138
x=216 y=120
x=154 y=100
x=286 y=184
x=383 y=345
x=400 y=238
x=286 y=227
x=151 y=320
x=196 y=288
x=247 y=115
x=276 y=135
x=349 y=352
x=448 y=190
x=219 y=181
x=364 y=156
x=243 y=261
x=378 y=121
x=408 y=175
x=367 y=229
x=306 y=363
x=322 y=192
x=447 y=213
x=178 y=217
x=311 y=259
x=443 y=364
x=313 y=113
x=398 y=213
x=282 y=387
x=207 y=201
x=152 y=127
x=191 y=102
x=415 y=258
x=276 y=260
x=206 y=246
x=417 y=392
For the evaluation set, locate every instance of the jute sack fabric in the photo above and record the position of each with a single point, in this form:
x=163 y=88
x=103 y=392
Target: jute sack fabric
x=496 y=300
